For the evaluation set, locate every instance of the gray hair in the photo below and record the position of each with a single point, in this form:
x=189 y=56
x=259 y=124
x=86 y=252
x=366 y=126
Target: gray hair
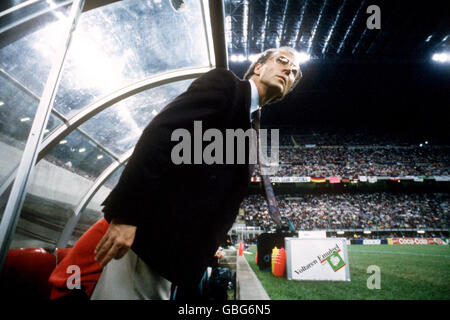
x=263 y=57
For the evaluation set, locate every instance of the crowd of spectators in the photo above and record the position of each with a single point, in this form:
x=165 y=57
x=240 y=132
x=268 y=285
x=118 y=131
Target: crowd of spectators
x=357 y=138
x=369 y=161
x=382 y=211
x=357 y=157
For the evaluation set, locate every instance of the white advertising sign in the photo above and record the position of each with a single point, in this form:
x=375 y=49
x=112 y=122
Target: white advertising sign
x=290 y=179
x=371 y=241
x=442 y=178
x=317 y=259
x=312 y=234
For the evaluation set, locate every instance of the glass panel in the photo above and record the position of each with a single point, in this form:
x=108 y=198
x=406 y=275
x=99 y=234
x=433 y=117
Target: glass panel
x=58 y=183
x=80 y=155
x=4 y=200
x=30 y=11
x=27 y=54
x=119 y=127
x=20 y=63
x=127 y=41
x=93 y=211
x=7 y=4
x=17 y=110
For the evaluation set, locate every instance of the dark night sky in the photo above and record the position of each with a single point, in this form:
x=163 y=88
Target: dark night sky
x=399 y=97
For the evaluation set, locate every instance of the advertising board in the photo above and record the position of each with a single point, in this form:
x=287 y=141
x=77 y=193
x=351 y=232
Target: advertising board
x=317 y=259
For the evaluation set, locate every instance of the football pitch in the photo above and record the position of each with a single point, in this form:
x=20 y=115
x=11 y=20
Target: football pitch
x=407 y=272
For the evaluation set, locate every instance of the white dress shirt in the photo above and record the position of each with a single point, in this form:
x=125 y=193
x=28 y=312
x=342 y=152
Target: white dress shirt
x=254 y=98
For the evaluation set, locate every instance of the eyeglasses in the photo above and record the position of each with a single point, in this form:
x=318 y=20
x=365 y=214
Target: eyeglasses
x=283 y=61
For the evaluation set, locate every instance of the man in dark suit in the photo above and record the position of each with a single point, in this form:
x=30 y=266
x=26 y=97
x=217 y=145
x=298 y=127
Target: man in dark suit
x=173 y=216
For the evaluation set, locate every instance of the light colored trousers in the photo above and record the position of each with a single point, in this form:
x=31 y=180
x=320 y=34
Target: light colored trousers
x=130 y=278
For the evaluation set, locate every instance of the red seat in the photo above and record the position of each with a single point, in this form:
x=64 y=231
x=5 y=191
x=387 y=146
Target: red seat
x=26 y=272
x=61 y=253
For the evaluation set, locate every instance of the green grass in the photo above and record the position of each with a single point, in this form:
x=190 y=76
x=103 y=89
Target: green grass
x=408 y=272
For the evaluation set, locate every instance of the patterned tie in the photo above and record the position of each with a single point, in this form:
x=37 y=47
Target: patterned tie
x=255 y=117
x=268 y=190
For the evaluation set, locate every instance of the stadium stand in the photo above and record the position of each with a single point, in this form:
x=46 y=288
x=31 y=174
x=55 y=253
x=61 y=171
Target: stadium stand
x=382 y=210
x=359 y=155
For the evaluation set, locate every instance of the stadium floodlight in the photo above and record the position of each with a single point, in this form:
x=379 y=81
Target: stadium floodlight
x=253 y=57
x=421 y=231
x=303 y=57
x=237 y=58
x=441 y=57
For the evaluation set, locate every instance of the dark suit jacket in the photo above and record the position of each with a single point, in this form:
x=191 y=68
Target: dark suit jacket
x=182 y=212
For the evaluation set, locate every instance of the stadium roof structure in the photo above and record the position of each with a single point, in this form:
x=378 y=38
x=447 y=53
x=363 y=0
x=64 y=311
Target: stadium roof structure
x=340 y=29
x=127 y=59
x=355 y=76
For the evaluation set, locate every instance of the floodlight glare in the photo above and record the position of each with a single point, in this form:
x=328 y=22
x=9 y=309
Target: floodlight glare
x=441 y=57
x=233 y=58
x=303 y=57
x=253 y=57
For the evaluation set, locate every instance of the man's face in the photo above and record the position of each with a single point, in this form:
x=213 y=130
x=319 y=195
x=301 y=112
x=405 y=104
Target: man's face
x=278 y=73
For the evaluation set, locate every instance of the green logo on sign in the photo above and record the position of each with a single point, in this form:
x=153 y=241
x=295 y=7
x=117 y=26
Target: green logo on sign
x=335 y=261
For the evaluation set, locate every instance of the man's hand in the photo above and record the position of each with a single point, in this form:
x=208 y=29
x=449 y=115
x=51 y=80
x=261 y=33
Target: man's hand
x=219 y=254
x=115 y=243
